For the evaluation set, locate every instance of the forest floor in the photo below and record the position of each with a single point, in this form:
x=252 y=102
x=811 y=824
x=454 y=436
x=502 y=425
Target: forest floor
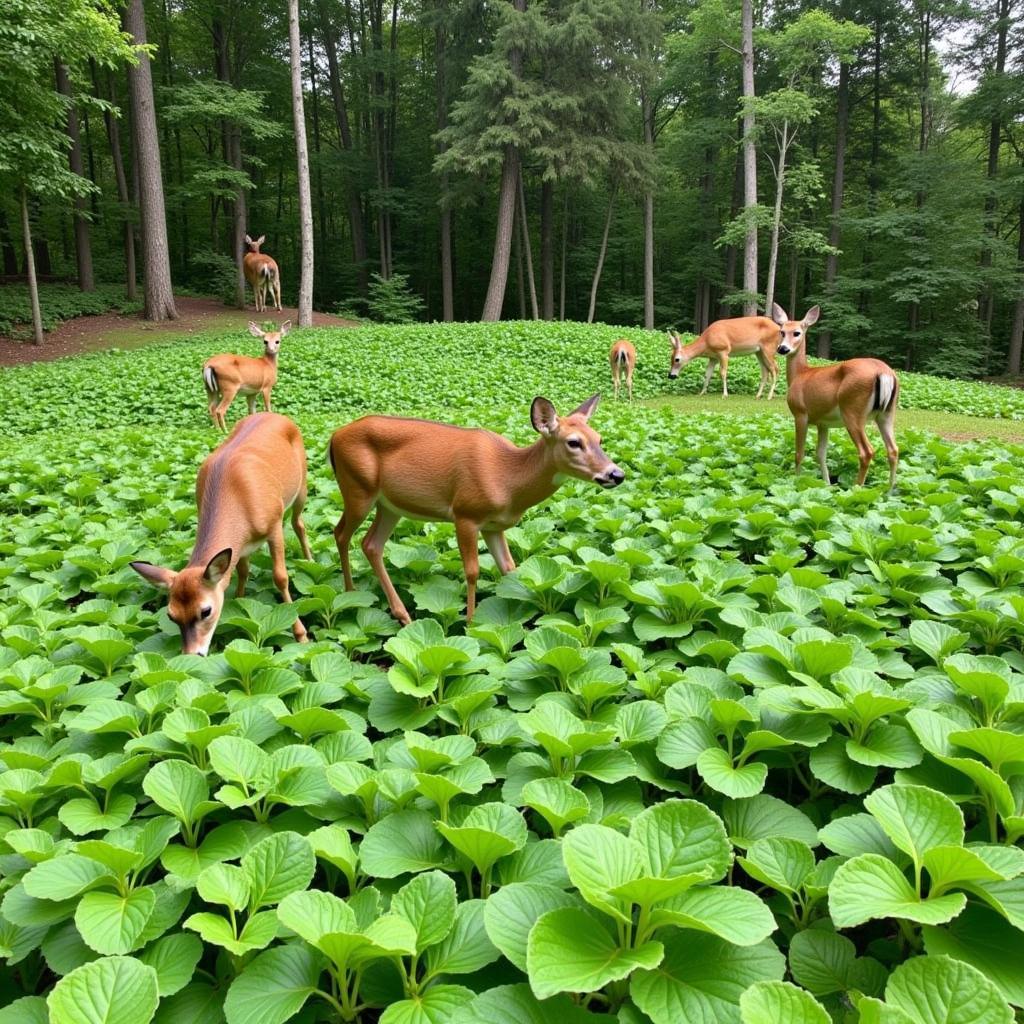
x=127 y=330
x=951 y=426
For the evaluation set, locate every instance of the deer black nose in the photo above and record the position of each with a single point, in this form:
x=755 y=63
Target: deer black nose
x=617 y=476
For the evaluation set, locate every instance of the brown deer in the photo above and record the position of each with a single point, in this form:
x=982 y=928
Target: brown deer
x=243 y=490
x=623 y=360
x=477 y=480
x=227 y=375
x=848 y=393
x=739 y=336
x=261 y=272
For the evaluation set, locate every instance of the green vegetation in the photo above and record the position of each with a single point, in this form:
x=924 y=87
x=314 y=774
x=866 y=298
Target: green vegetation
x=60 y=302
x=729 y=745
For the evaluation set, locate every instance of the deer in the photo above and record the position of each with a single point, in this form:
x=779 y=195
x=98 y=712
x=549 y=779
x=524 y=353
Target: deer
x=474 y=478
x=243 y=490
x=738 y=336
x=227 y=375
x=851 y=392
x=623 y=359
x=261 y=272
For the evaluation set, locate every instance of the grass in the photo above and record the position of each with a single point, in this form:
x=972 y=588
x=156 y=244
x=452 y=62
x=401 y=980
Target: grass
x=951 y=426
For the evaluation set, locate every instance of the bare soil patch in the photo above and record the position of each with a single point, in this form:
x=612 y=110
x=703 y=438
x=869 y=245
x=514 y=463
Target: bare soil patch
x=125 y=330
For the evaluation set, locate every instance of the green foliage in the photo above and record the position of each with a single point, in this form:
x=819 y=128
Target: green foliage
x=392 y=301
x=730 y=744
x=59 y=303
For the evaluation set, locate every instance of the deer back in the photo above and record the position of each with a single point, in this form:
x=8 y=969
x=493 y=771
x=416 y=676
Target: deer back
x=253 y=264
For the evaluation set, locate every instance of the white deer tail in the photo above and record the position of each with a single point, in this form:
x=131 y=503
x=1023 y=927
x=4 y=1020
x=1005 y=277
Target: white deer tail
x=267 y=271
x=210 y=380
x=621 y=357
x=885 y=391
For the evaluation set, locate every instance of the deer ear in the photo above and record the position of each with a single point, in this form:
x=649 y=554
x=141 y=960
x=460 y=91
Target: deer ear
x=155 y=574
x=254 y=330
x=217 y=567
x=261 y=239
x=779 y=315
x=586 y=410
x=543 y=416
x=248 y=240
x=286 y=327
x=811 y=317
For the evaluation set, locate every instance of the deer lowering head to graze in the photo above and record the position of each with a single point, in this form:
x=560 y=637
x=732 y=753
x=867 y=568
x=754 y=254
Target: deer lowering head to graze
x=243 y=490
x=227 y=375
x=262 y=274
x=739 y=336
x=623 y=360
x=475 y=479
x=848 y=393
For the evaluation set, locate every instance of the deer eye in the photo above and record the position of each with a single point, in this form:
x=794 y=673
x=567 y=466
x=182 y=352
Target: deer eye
x=574 y=442
x=205 y=613
x=796 y=334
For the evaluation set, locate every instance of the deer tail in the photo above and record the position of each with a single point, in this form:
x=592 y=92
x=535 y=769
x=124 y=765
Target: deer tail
x=267 y=271
x=886 y=391
x=210 y=380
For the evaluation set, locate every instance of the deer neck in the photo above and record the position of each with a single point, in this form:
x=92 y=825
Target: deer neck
x=695 y=349
x=222 y=523
x=796 y=364
x=531 y=476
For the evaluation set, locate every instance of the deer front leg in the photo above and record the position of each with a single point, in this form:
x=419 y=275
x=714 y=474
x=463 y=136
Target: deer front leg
x=764 y=375
x=801 y=440
x=723 y=367
x=707 y=376
x=299 y=526
x=227 y=393
x=498 y=547
x=266 y=399
x=276 y=544
x=822 y=453
x=466 y=533
x=250 y=401
x=243 y=576
x=773 y=370
x=357 y=508
x=373 y=547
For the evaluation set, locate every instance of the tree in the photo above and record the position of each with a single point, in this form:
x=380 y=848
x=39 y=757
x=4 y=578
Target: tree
x=83 y=249
x=158 y=293
x=749 y=165
x=302 y=165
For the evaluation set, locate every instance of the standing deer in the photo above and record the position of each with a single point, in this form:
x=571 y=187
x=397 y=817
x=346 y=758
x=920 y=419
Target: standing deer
x=261 y=272
x=851 y=393
x=227 y=375
x=476 y=479
x=243 y=490
x=739 y=336
x=623 y=358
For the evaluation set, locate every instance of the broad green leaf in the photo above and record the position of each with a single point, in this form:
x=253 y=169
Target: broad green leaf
x=428 y=903
x=110 y=923
x=822 y=961
x=734 y=914
x=779 y=1002
x=557 y=801
x=64 y=877
x=516 y=1004
x=598 y=860
x=570 y=950
x=467 y=947
x=174 y=958
x=784 y=864
x=939 y=990
x=436 y=1005
x=114 y=990
x=916 y=818
x=225 y=884
x=402 y=842
x=274 y=986
x=27 y=1010
x=180 y=789
x=682 y=837
x=277 y=866
x=766 y=817
x=512 y=911
x=314 y=914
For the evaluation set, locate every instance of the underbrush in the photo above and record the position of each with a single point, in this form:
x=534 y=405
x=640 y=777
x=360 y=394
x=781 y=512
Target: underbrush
x=58 y=302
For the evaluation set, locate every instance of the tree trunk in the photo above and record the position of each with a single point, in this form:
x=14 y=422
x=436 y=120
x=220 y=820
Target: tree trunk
x=561 y=269
x=524 y=237
x=647 y=112
x=83 y=247
x=447 y=287
x=517 y=253
x=773 y=247
x=158 y=303
x=600 y=258
x=838 y=177
x=302 y=169
x=724 y=308
x=1013 y=356
x=321 y=208
x=749 y=163
x=353 y=204
x=30 y=267
x=547 y=250
x=123 y=197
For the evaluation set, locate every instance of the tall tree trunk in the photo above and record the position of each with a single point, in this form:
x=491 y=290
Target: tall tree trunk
x=83 y=247
x=1013 y=356
x=517 y=254
x=565 y=246
x=773 y=247
x=547 y=250
x=838 y=179
x=725 y=308
x=353 y=203
x=749 y=163
x=924 y=52
x=321 y=207
x=440 y=41
x=302 y=169
x=123 y=197
x=495 y=297
x=30 y=267
x=647 y=112
x=158 y=303
x=600 y=258
x=524 y=237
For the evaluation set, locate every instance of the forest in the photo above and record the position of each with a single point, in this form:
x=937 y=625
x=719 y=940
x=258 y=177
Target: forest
x=661 y=162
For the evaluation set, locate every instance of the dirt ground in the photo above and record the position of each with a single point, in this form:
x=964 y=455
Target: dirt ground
x=115 y=330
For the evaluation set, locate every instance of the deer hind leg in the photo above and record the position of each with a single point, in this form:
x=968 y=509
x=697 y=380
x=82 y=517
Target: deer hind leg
x=357 y=508
x=212 y=401
x=822 y=452
x=276 y=286
x=276 y=544
x=266 y=399
x=498 y=547
x=227 y=397
x=299 y=526
x=859 y=436
x=764 y=375
x=801 y=440
x=243 y=576
x=886 y=422
x=723 y=368
x=707 y=376
x=467 y=534
x=773 y=371
x=250 y=401
x=373 y=547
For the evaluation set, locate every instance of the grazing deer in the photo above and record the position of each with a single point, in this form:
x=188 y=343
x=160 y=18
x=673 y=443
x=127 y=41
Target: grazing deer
x=622 y=357
x=851 y=393
x=227 y=375
x=243 y=490
x=478 y=480
x=739 y=336
x=261 y=272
